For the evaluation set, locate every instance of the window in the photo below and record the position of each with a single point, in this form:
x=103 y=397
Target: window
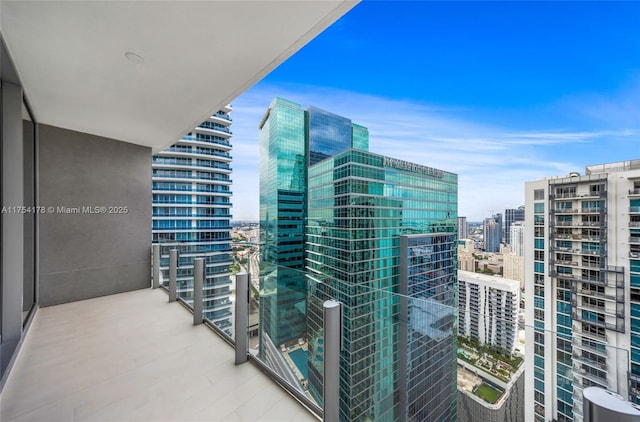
x=538 y=194
x=538 y=208
x=538 y=255
x=566 y=192
x=564 y=295
x=538 y=231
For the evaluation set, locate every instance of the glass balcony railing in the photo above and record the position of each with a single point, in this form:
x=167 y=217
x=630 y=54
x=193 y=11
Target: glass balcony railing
x=224 y=116
x=391 y=362
x=217 y=140
x=191 y=189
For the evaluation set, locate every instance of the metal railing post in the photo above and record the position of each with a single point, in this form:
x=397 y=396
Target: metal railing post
x=173 y=274
x=198 y=287
x=332 y=316
x=156 y=265
x=242 y=316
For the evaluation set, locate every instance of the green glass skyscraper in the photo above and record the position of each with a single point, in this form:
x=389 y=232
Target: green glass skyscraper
x=381 y=239
x=291 y=139
x=375 y=233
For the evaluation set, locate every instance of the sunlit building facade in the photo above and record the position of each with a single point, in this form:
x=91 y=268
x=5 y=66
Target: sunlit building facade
x=488 y=309
x=582 y=284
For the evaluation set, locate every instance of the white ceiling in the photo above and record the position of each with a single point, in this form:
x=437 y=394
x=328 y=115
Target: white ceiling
x=198 y=56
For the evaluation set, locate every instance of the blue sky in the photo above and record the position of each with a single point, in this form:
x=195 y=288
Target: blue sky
x=498 y=92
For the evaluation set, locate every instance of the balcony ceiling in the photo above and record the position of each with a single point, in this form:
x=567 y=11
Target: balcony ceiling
x=197 y=56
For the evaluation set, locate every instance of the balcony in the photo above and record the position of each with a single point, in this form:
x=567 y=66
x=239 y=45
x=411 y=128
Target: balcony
x=223 y=116
x=216 y=140
x=215 y=130
x=592 y=293
x=565 y=195
x=132 y=356
x=602 y=381
x=577 y=357
x=602 y=350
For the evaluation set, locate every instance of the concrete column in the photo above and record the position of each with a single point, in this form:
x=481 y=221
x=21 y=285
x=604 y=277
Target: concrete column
x=332 y=316
x=242 y=316
x=173 y=274
x=156 y=265
x=198 y=287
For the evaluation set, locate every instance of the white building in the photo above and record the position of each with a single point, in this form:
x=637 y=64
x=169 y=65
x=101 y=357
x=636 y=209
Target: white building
x=517 y=238
x=582 y=273
x=488 y=309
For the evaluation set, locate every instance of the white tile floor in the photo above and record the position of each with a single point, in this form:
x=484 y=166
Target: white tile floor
x=134 y=357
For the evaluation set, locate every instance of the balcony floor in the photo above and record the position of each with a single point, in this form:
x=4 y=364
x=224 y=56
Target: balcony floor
x=134 y=357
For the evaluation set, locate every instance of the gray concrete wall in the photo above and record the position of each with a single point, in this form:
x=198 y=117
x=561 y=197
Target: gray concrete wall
x=84 y=255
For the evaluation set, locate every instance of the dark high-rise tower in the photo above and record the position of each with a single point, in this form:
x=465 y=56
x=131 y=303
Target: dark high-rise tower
x=510 y=216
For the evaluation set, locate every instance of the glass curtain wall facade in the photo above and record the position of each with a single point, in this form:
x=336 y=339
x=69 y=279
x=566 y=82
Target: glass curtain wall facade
x=492 y=234
x=291 y=139
x=398 y=360
x=191 y=212
x=282 y=211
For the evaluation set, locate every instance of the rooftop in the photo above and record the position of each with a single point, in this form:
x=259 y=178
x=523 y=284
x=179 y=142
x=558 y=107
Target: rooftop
x=489 y=280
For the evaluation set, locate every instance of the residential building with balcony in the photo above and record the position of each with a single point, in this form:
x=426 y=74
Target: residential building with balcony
x=582 y=285
x=488 y=309
x=191 y=187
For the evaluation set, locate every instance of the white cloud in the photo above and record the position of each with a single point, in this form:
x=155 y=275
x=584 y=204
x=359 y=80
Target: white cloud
x=492 y=162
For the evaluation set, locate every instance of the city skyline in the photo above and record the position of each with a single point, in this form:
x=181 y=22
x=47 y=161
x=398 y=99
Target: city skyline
x=499 y=111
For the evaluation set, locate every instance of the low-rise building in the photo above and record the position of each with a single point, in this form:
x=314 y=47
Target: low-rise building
x=484 y=397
